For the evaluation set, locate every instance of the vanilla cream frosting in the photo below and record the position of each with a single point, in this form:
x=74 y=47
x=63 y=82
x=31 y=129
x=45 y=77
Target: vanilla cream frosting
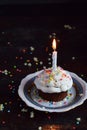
x=50 y=81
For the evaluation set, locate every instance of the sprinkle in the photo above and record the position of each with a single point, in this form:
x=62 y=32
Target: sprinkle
x=3 y=122
x=16 y=57
x=41 y=62
x=24 y=110
x=1 y=107
x=3 y=32
x=10 y=102
x=67 y=97
x=49 y=59
x=6 y=103
x=31 y=114
x=21 y=58
x=50 y=36
x=18 y=70
x=73 y=58
x=82 y=75
x=73 y=127
x=40 y=100
x=49 y=117
x=50 y=103
x=65 y=103
x=6 y=73
x=32 y=48
x=9 y=72
x=49 y=63
x=43 y=107
x=19 y=115
x=27 y=60
x=9 y=43
x=30 y=53
x=81 y=94
x=14 y=66
x=25 y=64
x=44 y=67
x=77 y=122
x=24 y=50
x=12 y=81
x=35 y=59
x=11 y=75
x=50 y=54
x=29 y=64
x=78 y=119
x=8 y=111
x=37 y=69
x=39 y=128
x=36 y=63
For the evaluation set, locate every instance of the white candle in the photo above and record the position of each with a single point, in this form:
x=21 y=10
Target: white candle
x=54 y=56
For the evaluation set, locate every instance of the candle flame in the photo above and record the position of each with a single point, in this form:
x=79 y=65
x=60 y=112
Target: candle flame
x=54 y=44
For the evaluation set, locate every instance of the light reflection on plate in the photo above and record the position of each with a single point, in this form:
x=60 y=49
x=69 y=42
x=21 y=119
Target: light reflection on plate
x=29 y=94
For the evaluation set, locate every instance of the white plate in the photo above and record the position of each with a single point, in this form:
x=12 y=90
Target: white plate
x=29 y=94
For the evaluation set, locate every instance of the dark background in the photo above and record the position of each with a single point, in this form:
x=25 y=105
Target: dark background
x=26 y=24
x=39 y=1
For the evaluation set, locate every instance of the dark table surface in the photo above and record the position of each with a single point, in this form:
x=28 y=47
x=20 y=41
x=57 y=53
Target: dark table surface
x=26 y=34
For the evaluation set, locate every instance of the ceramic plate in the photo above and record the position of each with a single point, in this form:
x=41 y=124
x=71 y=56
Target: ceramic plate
x=75 y=96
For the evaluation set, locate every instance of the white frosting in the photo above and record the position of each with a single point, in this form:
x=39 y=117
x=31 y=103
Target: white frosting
x=50 y=81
